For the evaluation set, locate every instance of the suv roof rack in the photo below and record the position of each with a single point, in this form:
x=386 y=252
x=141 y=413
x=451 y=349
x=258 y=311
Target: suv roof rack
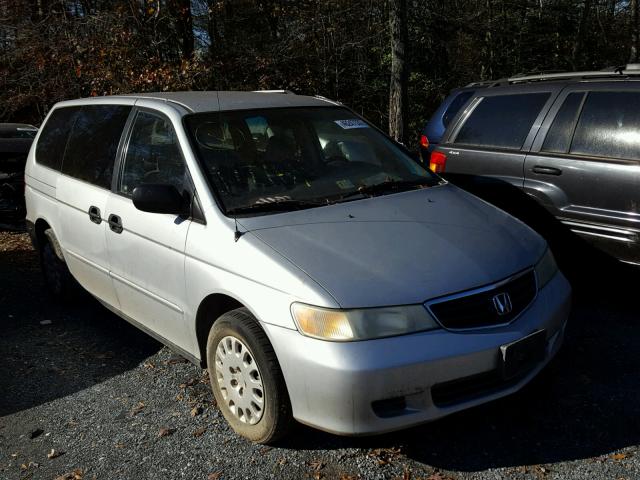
x=286 y=92
x=621 y=72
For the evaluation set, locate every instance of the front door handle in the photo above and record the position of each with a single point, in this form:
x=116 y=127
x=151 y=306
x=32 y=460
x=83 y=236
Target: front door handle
x=115 y=223
x=547 y=170
x=94 y=215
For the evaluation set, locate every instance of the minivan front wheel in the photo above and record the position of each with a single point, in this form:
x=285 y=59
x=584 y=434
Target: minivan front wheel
x=246 y=379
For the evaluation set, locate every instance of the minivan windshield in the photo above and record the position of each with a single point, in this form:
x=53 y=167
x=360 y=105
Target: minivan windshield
x=280 y=159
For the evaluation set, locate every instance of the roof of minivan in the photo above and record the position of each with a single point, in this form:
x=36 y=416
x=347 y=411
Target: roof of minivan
x=208 y=101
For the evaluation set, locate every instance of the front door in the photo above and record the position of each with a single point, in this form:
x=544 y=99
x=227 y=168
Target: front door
x=146 y=250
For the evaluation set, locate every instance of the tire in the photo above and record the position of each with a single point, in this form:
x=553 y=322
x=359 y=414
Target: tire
x=241 y=362
x=58 y=280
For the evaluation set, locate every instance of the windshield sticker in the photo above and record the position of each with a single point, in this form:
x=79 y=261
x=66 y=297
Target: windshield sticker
x=352 y=123
x=345 y=184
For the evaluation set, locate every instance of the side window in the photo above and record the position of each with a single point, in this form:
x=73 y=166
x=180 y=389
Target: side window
x=153 y=155
x=93 y=143
x=54 y=136
x=609 y=126
x=455 y=106
x=502 y=121
x=559 y=137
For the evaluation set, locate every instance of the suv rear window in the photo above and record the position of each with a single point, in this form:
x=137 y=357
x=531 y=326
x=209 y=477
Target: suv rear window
x=609 y=126
x=53 y=137
x=502 y=121
x=92 y=146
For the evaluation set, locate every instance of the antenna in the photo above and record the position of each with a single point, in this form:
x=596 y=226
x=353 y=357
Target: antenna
x=237 y=233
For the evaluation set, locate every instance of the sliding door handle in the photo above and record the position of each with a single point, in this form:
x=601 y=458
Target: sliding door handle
x=546 y=170
x=115 y=223
x=94 y=215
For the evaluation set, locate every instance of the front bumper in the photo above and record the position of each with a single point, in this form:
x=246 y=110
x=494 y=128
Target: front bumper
x=359 y=388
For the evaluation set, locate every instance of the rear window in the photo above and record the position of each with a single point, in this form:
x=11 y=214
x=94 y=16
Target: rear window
x=609 y=126
x=54 y=135
x=502 y=121
x=455 y=106
x=92 y=146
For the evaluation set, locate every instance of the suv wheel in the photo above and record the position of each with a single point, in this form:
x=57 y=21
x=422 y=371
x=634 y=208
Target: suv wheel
x=246 y=379
x=57 y=277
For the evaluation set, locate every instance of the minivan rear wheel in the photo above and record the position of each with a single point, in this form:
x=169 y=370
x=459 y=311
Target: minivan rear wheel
x=246 y=379
x=57 y=277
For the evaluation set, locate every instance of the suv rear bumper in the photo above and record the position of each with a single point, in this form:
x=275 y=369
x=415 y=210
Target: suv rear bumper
x=359 y=388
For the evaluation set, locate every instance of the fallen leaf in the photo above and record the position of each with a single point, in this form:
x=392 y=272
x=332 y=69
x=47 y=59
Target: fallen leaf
x=148 y=365
x=316 y=465
x=189 y=383
x=282 y=461
x=165 y=432
x=199 y=432
x=137 y=409
x=619 y=456
x=75 y=475
x=54 y=454
x=197 y=410
x=385 y=456
x=265 y=450
x=36 y=433
x=214 y=475
x=176 y=359
x=119 y=445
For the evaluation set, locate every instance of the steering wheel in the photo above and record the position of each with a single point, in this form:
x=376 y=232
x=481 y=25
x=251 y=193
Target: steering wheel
x=336 y=160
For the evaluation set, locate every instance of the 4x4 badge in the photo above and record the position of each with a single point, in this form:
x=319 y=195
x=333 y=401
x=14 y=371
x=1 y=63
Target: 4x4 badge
x=502 y=303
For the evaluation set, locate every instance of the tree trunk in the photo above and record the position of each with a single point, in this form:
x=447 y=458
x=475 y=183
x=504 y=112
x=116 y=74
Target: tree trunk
x=181 y=12
x=399 y=70
x=576 y=54
x=635 y=34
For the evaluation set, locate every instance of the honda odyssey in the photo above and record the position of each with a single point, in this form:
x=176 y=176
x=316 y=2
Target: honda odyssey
x=285 y=244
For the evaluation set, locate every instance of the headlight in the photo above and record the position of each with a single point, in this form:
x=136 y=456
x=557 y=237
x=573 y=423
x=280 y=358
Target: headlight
x=546 y=268
x=363 y=324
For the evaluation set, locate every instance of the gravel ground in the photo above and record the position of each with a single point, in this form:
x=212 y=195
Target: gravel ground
x=85 y=395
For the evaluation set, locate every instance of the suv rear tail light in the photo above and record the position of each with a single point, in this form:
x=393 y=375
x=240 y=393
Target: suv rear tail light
x=437 y=162
x=424 y=141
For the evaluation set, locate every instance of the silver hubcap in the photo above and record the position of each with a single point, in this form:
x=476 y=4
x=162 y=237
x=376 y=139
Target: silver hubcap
x=239 y=380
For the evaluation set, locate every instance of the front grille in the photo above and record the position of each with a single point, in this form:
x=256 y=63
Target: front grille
x=477 y=310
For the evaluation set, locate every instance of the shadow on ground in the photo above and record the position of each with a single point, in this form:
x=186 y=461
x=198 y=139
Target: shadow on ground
x=49 y=350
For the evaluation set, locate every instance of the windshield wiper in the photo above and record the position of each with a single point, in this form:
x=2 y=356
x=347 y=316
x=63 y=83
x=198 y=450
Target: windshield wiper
x=389 y=186
x=276 y=206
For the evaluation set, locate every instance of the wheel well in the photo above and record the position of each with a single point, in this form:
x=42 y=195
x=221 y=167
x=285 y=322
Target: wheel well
x=209 y=311
x=40 y=238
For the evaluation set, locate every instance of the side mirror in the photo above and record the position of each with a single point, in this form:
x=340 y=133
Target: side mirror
x=159 y=198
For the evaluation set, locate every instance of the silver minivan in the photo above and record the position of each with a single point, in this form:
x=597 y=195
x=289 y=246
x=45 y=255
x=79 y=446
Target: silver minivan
x=307 y=261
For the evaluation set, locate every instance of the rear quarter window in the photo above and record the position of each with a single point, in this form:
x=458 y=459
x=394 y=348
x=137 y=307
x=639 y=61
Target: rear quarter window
x=609 y=126
x=455 y=106
x=502 y=121
x=92 y=146
x=53 y=137
x=558 y=139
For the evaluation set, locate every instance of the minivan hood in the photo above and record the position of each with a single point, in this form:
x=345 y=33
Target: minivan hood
x=404 y=248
